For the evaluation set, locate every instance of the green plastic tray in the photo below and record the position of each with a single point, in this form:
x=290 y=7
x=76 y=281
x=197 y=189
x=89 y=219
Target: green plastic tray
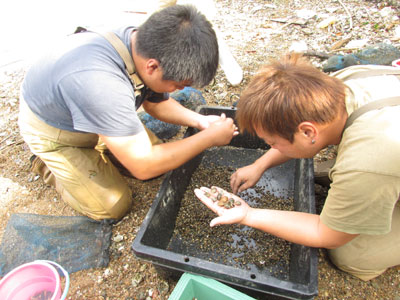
x=191 y=287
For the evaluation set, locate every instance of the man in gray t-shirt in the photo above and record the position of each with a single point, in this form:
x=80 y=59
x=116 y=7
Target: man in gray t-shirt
x=80 y=93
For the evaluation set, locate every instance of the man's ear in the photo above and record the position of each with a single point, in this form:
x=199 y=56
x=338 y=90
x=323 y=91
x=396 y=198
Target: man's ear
x=308 y=130
x=152 y=65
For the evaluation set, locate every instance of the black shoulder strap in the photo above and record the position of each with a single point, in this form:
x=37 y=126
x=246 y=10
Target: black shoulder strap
x=362 y=71
x=369 y=72
x=374 y=72
x=371 y=106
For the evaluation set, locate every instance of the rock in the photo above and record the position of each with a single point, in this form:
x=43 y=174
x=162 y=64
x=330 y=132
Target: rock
x=163 y=287
x=379 y=54
x=161 y=129
x=137 y=279
x=327 y=22
x=188 y=97
x=118 y=238
x=298 y=47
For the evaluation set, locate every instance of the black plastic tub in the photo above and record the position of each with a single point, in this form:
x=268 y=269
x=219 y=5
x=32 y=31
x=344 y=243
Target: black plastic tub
x=292 y=179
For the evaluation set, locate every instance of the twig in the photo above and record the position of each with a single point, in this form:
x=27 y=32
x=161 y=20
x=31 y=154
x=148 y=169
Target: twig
x=322 y=55
x=356 y=48
x=12 y=143
x=348 y=13
x=345 y=49
x=135 y=12
x=5 y=139
x=288 y=22
x=340 y=43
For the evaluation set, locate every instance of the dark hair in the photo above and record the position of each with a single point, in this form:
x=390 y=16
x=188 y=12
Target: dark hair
x=184 y=43
x=287 y=92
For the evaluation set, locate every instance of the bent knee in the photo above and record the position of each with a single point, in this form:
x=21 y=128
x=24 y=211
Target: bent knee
x=114 y=206
x=120 y=207
x=361 y=269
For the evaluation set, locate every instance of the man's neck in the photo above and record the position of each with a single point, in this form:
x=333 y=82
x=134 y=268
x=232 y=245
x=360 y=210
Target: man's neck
x=135 y=57
x=334 y=130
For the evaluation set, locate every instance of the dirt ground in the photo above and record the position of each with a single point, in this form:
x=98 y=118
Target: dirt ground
x=255 y=31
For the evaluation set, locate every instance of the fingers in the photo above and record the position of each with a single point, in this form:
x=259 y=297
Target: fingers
x=223 y=119
x=240 y=186
x=215 y=190
x=204 y=194
x=244 y=186
x=223 y=219
x=229 y=211
x=211 y=196
x=235 y=129
x=201 y=194
x=217 y=221
x=235 y=183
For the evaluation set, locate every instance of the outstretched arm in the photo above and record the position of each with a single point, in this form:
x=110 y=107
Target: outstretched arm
x=170 y=111
x=296 y=227
x=146 y=161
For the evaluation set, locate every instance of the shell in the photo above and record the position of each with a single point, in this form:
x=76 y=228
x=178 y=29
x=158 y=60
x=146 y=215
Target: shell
x=221 y=203
x=224 y=199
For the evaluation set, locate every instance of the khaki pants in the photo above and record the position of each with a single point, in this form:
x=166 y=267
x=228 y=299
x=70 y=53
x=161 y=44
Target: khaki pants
x=368 y=256
x=84 y=176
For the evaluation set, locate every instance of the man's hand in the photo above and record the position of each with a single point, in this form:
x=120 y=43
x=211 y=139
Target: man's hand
x=205 y=121
x=248 y=176
x=221 y=131
x=225 y=215
x=245 y=178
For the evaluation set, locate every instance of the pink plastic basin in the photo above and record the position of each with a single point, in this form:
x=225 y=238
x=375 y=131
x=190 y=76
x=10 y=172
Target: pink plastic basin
x=30 y=279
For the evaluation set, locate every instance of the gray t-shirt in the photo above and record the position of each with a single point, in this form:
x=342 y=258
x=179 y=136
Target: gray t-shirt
x=81 y=85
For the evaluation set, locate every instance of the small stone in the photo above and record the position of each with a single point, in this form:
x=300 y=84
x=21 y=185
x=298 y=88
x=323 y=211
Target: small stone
x=163 y=287
x=137 y=278
x=151 y=291
x=118 y=238
x=143 y=268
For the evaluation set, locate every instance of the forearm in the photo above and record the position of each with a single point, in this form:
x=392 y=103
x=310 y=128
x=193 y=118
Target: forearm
x=170 y=111
x=168 y=156
x=296 y=227
x=271 y=159
x=145 y=160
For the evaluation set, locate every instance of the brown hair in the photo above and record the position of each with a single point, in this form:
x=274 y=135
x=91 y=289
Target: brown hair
x=287 y=92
